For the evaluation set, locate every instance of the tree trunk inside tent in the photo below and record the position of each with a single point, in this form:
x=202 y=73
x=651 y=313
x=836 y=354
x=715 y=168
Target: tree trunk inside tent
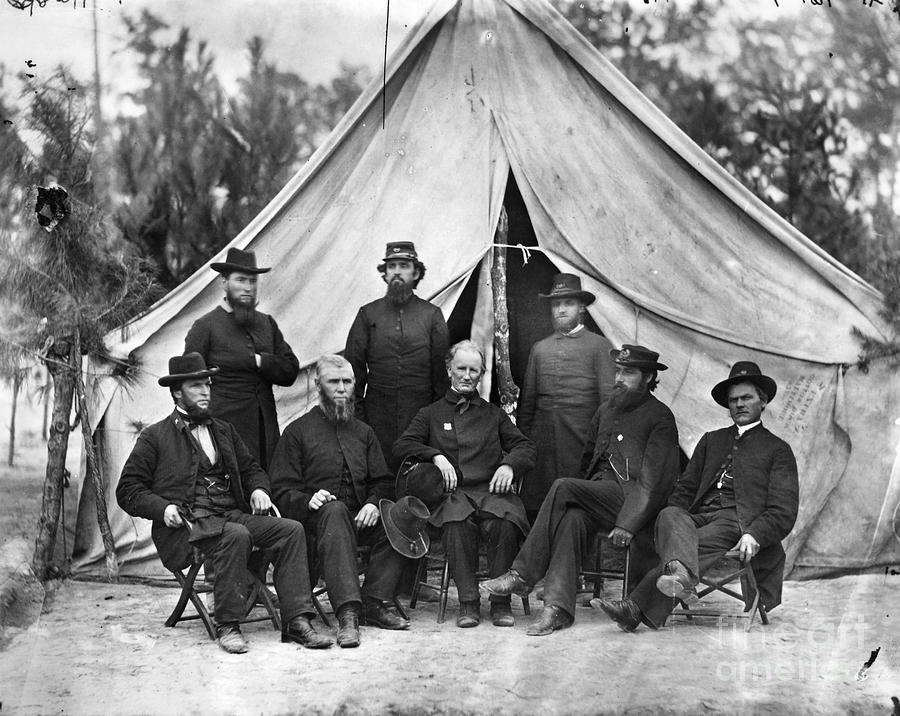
x=506 y=387
x=62 y=369
x=109 y=546
x=16 y=386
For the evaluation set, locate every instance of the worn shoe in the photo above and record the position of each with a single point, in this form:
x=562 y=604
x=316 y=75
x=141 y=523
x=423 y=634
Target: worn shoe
x=382 y=615
x=348 y=625
x=230 y=639
x=509 y=583
x=552 y=619
x=623 y=612
x=301 y=631
x=676 y=581
x=469 y=615
x=501 y=614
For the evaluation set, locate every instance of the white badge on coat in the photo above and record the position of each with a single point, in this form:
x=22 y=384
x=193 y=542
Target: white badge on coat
x=448 y=426
x=619 y=437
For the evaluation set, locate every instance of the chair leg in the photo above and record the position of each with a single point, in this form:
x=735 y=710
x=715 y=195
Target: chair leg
x=526 y=606
x=187 y=587
x=626 y=577
x=400 y=609
x=318 y=605
x=421 y=576
x=445 y=589
x=274 y=615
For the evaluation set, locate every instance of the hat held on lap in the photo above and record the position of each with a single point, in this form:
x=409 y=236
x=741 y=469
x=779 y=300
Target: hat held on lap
x=404 y=523
x=744 y=371
x=420 y=479
x=186 y=367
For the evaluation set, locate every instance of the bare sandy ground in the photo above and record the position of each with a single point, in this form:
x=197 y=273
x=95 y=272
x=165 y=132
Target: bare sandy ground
x=103 y=649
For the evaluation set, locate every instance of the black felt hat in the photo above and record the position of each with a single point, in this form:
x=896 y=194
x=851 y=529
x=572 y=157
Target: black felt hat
x=422 y=480
x=404 y=523
x=744 y=371
x=186 y=367
x=238 y=260
x=568 y=285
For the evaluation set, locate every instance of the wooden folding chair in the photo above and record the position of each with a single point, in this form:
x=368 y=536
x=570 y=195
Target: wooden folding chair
x=742 y=572
x=439 y=564
x=601 y=572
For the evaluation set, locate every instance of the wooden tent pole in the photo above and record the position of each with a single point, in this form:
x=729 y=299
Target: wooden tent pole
x=506 y=387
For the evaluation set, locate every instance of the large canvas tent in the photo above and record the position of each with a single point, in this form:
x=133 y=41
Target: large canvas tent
x=489 y=101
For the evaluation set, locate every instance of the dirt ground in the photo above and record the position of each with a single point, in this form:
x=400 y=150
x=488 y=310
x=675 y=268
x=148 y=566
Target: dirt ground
x=102 y=649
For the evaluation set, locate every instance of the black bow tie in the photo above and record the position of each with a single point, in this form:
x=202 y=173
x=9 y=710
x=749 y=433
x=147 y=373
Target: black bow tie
x=195 y=422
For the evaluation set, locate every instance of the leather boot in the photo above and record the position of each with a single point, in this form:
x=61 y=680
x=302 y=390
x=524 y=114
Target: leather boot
x=348 y=625
x=299 y=630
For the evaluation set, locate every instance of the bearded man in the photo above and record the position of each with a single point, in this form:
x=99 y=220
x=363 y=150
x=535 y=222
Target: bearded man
x=329 y=474
x=480 y=454
x=194 y=477
x=250 y=352
x=630 y=463
x=396 y=346
x=569 y=375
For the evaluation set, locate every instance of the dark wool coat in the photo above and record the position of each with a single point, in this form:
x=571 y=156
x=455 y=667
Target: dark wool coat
x=310 y=457
x=476 y=442
x=162 y=471
x=567 y=379
x=241 y=392
x=641 y=441
x=397 y=354
x=766 y=490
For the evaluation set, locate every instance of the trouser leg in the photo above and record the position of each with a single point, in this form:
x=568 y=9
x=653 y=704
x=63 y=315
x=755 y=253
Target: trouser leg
x=501 y=539
x=335 y=541
x=461 y=547
x=570 y=544
x=287 y=540
x=600 y=499
x=385 y=567
x=228 y=552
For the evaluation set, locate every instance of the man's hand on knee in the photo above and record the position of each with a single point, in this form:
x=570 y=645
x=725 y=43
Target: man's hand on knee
x=502 y=481
x=367 y=516
x=260 y=502
x=171 y=516
x=747 y=546
x=447 y=472
x=319 y=499
x=620 y=537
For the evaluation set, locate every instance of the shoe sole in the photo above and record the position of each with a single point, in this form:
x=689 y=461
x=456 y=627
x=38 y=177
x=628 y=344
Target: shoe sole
x=467 y=624
x=287 y=639
x=671 y=586
x=381 y=625
x=504 y=622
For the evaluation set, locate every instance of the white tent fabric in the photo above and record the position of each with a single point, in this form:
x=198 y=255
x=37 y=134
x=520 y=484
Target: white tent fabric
x=681 y=256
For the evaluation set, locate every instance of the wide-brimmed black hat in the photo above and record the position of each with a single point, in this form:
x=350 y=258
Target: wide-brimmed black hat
x=404 y=523
x=568 y=285
x=420 y=479
x=397 y=250
x=744 y=371
x=637 y=357
x=238 y=260
x=186 y=367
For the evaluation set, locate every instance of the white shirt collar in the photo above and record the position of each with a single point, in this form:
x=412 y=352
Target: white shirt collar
x=744 y=428
x=575 y=330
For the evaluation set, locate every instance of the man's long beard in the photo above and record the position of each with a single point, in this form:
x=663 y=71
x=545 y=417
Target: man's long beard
x=337 y=412
x=621 y=398
x=194 y=411
x=244 y=313
x=399 y=292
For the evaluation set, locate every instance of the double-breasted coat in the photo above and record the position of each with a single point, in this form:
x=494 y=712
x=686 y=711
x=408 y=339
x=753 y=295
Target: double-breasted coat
x=241 y=391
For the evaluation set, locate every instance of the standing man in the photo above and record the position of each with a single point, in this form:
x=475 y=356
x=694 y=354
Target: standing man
x=193 y=476
x=480 y=454
x=397 y=346
x=569 y=374
x=738 y=492
x=328 y=473
x=630 y=463
x=250 y=352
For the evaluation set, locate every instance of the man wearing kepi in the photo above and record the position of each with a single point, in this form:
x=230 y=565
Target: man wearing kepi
x=252 y=355
x=328 y=473
x=396 y=346
x=194 y=477
x=480 y=454
x=739 y=491
x=569 y=375
x=629 y=464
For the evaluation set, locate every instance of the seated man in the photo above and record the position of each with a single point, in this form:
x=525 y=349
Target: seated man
x=328 y=473
x=739 y=491
x=479 y=453
x=629 y=464
x=194 y=477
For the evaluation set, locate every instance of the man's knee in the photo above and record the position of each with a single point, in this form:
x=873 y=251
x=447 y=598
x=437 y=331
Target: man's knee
x=562 y=486
x=234 y=537
x=671 y=514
